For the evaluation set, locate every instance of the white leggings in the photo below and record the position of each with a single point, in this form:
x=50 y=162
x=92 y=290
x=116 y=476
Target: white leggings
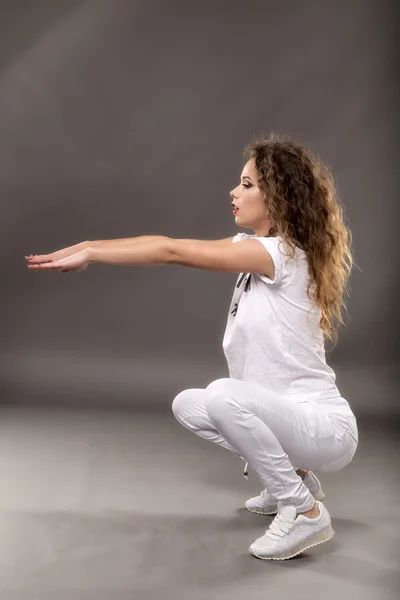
x=275 y=435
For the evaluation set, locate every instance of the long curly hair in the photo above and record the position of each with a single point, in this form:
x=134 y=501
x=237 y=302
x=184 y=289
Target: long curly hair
x=304 y=209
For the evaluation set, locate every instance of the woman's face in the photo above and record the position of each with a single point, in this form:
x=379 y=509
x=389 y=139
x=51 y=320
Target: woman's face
x=248 y=198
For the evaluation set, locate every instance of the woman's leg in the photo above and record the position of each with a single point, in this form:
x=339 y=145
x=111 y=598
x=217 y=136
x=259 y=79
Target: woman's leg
x=188 y=408
x=273 y=433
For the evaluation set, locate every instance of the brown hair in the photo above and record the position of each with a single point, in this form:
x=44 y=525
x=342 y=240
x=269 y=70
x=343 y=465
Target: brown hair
x=304 y=209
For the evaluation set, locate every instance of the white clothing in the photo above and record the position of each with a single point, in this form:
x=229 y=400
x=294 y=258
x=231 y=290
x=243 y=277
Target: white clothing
x=272 y=433
x=271 y=338
x=280 y=408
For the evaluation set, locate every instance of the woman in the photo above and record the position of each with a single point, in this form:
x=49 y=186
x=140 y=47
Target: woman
x=280 y=409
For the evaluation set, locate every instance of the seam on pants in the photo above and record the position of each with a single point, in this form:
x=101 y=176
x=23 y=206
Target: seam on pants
x=235 y=406
x=195 y=429
x=186 y=420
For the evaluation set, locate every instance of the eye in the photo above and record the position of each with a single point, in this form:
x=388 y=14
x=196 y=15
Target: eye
x=246 y=186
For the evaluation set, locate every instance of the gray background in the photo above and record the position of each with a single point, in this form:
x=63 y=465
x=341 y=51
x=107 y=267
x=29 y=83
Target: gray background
x=122 y=118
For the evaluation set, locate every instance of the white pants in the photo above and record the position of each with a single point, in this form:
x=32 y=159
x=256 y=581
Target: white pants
x=275 y=435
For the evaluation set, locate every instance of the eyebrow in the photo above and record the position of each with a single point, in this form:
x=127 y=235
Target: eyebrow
x=245 y=177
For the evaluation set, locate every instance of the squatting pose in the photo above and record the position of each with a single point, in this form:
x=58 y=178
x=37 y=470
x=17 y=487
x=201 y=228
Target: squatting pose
x=280 y=409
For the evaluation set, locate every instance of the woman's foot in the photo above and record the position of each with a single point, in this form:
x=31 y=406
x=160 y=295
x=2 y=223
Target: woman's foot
x=291 y=533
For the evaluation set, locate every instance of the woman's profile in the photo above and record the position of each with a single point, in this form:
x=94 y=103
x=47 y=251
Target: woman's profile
x=280 y=409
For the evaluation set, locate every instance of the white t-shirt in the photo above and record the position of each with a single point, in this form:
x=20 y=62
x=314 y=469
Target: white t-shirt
x=268 y=339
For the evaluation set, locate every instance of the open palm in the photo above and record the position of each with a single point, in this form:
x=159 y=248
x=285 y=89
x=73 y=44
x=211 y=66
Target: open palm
x=62 y=261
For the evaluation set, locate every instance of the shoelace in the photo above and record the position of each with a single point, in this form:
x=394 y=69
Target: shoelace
x=279 y=528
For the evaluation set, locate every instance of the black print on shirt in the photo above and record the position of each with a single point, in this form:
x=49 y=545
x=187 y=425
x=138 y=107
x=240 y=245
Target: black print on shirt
x=247 y=287
x=247 y=279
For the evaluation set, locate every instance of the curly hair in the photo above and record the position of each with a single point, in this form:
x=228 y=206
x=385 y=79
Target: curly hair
x=304 y=209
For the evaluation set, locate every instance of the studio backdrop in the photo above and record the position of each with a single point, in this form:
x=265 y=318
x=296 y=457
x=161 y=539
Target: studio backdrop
x=121 y=118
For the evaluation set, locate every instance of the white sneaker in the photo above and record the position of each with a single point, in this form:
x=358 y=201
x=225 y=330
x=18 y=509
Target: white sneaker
x=265 y=504
x=289 y=535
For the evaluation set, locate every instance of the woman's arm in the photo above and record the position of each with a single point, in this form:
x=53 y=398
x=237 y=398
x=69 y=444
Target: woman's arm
x=123 y=241
x=143 y=251
x=247 y=257
x=36 y=259
x=145 y=238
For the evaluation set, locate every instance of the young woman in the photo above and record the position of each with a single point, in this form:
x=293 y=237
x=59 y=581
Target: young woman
x=280 y=409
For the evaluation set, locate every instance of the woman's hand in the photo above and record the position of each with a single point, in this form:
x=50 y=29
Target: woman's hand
x=74 y=258
x=63 y=253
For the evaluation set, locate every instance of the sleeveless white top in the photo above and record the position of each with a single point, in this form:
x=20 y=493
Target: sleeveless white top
x=268 y=339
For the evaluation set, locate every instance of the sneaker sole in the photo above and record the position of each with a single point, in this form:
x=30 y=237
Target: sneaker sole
x=320 y=495
x=315 y=540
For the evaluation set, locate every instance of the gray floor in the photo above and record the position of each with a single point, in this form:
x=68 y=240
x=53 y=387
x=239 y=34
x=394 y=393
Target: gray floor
x=113 y=504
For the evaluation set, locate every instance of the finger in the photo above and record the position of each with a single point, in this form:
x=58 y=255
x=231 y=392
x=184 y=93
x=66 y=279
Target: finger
x=40 y=259
x=42 y=267
x=37 y=259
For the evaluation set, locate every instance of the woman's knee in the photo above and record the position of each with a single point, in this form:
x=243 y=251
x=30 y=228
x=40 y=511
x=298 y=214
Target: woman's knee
x=216 y=398
x=189 y=405
x=181 y=403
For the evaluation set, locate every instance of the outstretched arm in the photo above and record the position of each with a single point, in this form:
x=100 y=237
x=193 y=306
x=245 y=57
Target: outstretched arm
x=76 y=257
x=124 y=241
x=147 y=249
x=141 y=252
x=145 y=238
x=220 y=255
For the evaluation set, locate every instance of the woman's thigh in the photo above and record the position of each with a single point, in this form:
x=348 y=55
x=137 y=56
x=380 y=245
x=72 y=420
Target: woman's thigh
x=189 y=409
x=306 y=432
